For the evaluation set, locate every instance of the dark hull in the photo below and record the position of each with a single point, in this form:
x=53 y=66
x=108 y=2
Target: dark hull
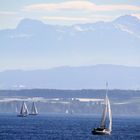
x=100 y=131
x=21 y=115
x=33 y=114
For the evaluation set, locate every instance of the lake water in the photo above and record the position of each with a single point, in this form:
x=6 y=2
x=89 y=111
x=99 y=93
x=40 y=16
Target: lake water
x=56 y=127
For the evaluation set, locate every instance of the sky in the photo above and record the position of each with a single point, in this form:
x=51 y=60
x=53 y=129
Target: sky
x=65 y=12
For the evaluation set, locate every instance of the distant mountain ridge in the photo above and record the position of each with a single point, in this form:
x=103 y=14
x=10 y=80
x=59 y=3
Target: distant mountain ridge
x=86 y=77
x=102 y=42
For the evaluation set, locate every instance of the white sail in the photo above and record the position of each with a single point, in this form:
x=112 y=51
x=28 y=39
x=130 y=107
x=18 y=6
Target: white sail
x=24 y=109
x=103 y=130
x=27 y=112
x=34 y=109
x=102 y=125
x=67 y=111
x=107 y=112
x=110 y=116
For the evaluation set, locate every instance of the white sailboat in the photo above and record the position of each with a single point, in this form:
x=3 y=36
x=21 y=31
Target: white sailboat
x=102 y=130
x=34 y=110
x=67 y=111
x=24 y=110
x=70 y=112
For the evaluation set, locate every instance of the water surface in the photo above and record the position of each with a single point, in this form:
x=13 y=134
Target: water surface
x=70 y=127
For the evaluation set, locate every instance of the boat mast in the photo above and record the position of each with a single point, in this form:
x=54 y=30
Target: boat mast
x=105 y=109
x=104 y=114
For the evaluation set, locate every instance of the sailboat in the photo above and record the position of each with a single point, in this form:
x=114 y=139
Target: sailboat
x=34 y=110
x=24 y=110
x=102 y=130
x=69 y=112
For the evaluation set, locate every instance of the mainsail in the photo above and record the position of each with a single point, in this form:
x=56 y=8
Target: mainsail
x=110 y=116
x=107 y=108
x=24 y=109
x=102 y=125
x=34 y=109
x=103 y=130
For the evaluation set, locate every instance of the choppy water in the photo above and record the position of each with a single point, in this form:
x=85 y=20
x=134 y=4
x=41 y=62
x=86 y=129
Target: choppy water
x=65 y=128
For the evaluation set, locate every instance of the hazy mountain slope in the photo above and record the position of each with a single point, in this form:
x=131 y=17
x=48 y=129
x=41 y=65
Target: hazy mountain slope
x=102 y=41
x=91 y=77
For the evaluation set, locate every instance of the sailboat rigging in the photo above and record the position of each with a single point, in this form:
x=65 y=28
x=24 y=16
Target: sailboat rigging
x=102 y=130
x=24 y=110
x=34 y=110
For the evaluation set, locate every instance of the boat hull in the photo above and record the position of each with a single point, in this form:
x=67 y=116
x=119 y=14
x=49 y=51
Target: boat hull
x=101 y=132
x=33 y=114
x=21 y=115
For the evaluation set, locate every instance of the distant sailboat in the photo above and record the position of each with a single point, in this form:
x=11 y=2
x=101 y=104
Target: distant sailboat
x=102 y=130
x=70 y=112
x=67 y=111
x=34 y=110
x=24 y=110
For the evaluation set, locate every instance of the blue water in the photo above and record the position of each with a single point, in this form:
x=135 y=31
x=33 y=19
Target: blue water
x=58 y=127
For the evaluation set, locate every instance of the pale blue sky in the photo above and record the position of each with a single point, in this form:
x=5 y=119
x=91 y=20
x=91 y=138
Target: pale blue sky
x=65 y=12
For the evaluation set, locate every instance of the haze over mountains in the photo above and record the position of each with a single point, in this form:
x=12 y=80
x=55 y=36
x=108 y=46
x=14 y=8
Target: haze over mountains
x=34 y=44
x=90 y=77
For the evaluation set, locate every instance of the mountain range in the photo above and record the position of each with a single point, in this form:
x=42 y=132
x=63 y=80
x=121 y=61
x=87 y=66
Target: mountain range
x=36 y=44
x=86 y=77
